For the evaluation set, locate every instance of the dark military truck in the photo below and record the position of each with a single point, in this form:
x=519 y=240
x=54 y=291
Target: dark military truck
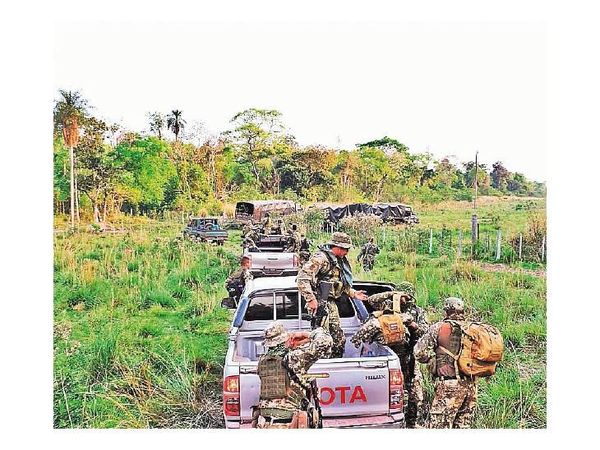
x=205 y=229
x=364 y=388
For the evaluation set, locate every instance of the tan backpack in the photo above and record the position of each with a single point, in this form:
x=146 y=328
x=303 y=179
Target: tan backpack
x=392 y=325
x=481 y=349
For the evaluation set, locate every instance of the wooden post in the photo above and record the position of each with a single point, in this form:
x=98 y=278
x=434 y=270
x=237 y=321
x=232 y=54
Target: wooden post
x=498 y=244
x=544 y=248
x=520 y=245
x=430 y=241
x=474 y=233
x=459 y=243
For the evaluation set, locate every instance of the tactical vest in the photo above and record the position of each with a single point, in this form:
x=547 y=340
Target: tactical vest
x=275 y=382
x=333 y=275
x=449 y=337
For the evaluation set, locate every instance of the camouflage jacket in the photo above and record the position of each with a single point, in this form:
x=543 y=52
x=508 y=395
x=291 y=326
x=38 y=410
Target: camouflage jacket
x=410 y=312
x=315 y=270
x=240 y=276
x=368 y=249
x=299 y=361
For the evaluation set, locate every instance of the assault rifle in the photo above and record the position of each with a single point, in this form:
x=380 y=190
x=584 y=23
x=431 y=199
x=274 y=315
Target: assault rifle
x=320 y=315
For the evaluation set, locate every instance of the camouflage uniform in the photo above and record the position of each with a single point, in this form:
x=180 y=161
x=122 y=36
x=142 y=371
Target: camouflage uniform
x=370 y=331
x=294 y=242
x=304 y=250
x=455 y=394
x=297 y=362
x=319 y=268
x=367 y=253
x=237 y=281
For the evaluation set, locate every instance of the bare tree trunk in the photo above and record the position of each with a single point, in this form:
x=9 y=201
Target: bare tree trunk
x=77 y=216
x=72 y=186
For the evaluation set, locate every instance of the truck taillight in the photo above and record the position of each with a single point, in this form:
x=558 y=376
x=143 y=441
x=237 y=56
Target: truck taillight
x=231 y=395
x=396 y=389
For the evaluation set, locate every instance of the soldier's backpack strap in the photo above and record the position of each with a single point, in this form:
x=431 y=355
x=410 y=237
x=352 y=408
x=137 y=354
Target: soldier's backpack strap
x=396 y=303
x=294 y=377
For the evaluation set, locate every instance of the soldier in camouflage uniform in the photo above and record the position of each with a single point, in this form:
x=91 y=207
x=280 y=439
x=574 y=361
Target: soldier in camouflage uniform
x=287 y=397
x=294 y=240
x=322 y=281
x=304 y=250
x=236 y=282
x=367 y=253
x=455 y=393
x=416 y=325
x=266 y=224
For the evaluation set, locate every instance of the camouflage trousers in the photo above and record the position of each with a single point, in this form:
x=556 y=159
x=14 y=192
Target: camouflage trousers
x=413 y=391
x=453 y=404
x=368 y=262
x=334 y=327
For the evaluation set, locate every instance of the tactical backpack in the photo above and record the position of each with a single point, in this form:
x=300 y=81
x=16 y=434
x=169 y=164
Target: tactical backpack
x=480 y=350
x=392 y=325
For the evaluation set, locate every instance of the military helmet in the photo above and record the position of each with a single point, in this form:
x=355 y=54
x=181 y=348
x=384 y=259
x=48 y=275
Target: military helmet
x=275 y=334
x=454 y=304
x=407 y=287
x=342 y=240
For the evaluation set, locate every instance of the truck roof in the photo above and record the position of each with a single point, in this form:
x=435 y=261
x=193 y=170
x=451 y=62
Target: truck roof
x=272 y=283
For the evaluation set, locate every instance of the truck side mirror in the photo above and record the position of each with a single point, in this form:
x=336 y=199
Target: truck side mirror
x=228 y=303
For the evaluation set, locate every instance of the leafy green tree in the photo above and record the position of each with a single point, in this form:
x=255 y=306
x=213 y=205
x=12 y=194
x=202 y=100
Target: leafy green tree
x=157 y=123
x=499 y=176
x=260 y=139
x=386 y=144
x=175 y=122
x=98 y=170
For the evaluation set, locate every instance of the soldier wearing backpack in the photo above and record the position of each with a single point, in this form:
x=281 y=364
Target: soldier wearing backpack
x=457 y=352
x=288 y=399
x=397 y=321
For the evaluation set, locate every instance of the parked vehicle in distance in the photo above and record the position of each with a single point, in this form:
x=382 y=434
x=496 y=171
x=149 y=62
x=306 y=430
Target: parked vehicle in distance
x=205 y=229
x=256 y=209
x=362 y=389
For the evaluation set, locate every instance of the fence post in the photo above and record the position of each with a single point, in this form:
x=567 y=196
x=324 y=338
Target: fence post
x=459 y=243
x=520 y=245
x=430 y=241
x=474 y=233
x=498 y=244
x=544 y=248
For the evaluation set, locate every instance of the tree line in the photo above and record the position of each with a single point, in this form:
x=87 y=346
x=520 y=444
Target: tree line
x=174 y=166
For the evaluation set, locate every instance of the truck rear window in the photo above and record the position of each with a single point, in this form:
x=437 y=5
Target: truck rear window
x=286 y=306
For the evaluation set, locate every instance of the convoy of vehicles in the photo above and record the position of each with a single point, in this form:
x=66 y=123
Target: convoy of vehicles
x=362 y=389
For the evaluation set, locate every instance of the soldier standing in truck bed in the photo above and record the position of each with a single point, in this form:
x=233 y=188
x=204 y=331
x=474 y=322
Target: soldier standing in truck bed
x=415 y=325
x=322 y=281
x=287 y=398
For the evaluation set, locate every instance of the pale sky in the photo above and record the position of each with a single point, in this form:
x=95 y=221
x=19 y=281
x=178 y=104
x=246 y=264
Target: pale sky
x=450 y=89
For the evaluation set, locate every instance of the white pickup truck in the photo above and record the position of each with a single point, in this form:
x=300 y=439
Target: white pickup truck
x=362 y=389
x=269 y=258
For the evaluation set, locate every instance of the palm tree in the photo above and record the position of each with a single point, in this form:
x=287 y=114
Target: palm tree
x=175 y=122
x=69 y=113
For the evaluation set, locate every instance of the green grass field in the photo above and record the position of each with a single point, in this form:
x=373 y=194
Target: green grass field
x=139 y=337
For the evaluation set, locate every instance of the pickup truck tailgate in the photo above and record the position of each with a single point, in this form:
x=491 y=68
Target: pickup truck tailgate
x=346 y=387
x=356 y=388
